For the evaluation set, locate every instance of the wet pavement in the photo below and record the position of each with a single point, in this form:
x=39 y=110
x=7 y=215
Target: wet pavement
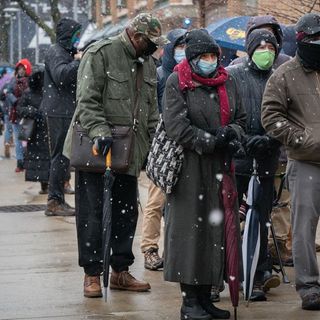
x=40 y=277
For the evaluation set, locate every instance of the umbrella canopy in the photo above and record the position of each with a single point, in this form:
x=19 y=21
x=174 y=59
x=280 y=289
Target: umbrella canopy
x=251 y=237
x=107 y=220
x=231 y=230
x=230 y=33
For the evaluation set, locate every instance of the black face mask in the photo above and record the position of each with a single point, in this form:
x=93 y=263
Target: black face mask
x=309 y=54
x=151 y=48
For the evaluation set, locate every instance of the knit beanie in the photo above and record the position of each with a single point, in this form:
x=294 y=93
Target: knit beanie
x=257 y=37
x=198 y=42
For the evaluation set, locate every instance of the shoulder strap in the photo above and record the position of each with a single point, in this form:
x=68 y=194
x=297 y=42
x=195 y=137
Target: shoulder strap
x=139 y=79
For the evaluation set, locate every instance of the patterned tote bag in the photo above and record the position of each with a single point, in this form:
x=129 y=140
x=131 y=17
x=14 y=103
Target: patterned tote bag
x=164 y=160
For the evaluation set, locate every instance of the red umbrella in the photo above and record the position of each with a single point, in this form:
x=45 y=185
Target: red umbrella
x=229 y=197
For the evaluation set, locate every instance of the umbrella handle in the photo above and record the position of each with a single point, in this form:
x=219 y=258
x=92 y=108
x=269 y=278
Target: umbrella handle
x=108 y=159
x=94 y=151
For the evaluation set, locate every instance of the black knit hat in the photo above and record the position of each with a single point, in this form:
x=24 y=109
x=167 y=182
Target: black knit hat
x=198 y=42
x=257 y=37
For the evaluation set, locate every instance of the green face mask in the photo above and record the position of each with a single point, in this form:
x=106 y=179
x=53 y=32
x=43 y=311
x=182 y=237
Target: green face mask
x=263 y=59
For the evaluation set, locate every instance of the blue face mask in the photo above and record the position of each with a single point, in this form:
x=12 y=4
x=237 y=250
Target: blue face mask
x=179 y=55
x=207 y=67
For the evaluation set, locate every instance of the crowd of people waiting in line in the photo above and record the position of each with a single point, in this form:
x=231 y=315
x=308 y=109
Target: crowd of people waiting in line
x=263 y=107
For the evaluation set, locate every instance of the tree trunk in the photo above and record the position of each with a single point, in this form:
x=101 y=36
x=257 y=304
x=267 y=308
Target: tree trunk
x=40 y=22
x=202 y=13
x=4 y=44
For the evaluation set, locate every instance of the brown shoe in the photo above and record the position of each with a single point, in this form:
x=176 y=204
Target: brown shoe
x=92 y=286
x=125 y=281
x=152 y=261
x=317 y=247
x=55 y=208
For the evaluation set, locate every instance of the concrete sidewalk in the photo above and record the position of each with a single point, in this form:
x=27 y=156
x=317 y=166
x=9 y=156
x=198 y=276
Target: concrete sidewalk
x=40 y=277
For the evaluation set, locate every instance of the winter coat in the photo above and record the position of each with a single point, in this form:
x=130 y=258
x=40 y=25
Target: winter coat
x=256 y=23
x=251 y=83
x=106 y=94
x=37 y=157
x=194 y=249
x=168 y=62
x=60 y=76
x=290 y=110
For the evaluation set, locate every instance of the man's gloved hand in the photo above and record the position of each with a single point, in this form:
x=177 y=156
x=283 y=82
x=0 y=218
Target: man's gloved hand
x=258 y=146
x=224 y=135
x=102 y=144
x=236 y=149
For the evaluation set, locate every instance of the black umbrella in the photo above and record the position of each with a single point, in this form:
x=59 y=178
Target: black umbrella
x=251 y=236
x=106 y=220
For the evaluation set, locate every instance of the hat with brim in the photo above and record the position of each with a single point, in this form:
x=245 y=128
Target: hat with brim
x=149 y=25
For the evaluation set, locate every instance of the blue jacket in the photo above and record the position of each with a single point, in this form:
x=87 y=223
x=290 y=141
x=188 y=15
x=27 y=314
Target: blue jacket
x=168 y=62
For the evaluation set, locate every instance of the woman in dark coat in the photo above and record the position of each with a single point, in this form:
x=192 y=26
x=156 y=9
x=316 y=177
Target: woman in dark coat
x=37 y=158
x=201 y=113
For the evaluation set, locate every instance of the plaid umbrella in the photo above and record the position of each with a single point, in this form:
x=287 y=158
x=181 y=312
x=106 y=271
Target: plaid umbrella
x=229 y=198
x=106 y=221
x=251 y=236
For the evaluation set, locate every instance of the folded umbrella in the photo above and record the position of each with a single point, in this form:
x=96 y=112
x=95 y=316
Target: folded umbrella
x=232 y=237
x=251 y=236
x=107 y=220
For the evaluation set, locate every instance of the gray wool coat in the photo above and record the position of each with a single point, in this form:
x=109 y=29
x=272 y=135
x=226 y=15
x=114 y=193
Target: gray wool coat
x=194 y=247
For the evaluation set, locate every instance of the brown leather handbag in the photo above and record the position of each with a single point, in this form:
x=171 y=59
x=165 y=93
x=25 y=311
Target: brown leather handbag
x=122 y=148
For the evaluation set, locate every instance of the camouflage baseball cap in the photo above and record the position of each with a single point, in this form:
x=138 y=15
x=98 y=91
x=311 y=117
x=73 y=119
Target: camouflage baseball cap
x=149 y=25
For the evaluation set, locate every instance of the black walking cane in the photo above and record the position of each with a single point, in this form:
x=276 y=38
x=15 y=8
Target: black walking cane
x=281 y=267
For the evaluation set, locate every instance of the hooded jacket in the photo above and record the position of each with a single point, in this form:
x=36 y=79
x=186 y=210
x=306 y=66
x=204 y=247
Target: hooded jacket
x=168 y=62
x=251 y=83
x=27 y=65
x=257 y=22
x=60 y=77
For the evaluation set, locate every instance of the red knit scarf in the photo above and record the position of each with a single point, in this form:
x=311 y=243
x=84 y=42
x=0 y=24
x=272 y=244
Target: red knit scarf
x=186 y=82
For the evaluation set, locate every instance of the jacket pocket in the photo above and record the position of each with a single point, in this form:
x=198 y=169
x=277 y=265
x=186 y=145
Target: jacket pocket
x=118 y=86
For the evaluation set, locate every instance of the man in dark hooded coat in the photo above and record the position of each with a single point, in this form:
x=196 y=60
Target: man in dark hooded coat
x=270 y=23
x=251 y=78
x=60 y=80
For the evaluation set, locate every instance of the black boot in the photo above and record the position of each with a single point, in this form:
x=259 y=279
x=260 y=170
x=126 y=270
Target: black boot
x=204 y=297
x=191 y=309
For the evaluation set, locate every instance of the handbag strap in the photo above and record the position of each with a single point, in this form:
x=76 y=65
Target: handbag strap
x=139 y=78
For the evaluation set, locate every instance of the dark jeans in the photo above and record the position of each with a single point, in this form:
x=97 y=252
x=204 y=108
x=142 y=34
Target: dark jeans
x=89 y=207
x=59 y=166
x=266 y=200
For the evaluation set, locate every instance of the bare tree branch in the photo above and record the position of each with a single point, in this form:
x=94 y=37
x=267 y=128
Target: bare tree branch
x=55 y=13
x=293 y=7
x=33 y=16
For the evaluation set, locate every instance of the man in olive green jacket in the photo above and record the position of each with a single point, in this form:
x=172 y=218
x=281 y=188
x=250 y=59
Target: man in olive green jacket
x=106 y=95
x=291 y=114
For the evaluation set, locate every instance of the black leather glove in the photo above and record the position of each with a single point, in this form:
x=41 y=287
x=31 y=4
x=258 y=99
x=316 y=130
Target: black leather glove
x=257 y=146
x=236 y=149
x=224 y=135
x=102 y=144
